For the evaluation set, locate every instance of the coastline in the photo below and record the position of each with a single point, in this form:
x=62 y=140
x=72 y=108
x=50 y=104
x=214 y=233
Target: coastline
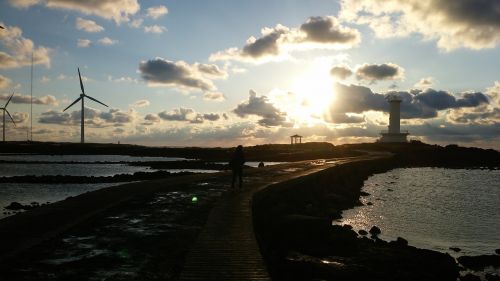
x=293 y=225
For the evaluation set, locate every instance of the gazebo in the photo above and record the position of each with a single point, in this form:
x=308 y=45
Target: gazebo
x=295 y=139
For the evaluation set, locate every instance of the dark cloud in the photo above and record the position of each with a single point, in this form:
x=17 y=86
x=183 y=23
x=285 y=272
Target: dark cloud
x=473 y=24
x=471 y=117
x=266 y=45
x=260 y=106
x=117 y=10
x=415 y=104
x=93 y=117
x=168 y=73
x=315 y=33
x=328 y=30
x=342 y=118
x=341 y=72
x=188 y=115
x=25 y=99
x=374 y=72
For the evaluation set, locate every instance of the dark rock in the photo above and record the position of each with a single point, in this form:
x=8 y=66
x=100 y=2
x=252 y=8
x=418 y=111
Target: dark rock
x=455 y=249
x=479 y=262
x=497 y=251
x=362 y=232
x=375 y=231
x=15 y=206
x=401 y=241
x=492 y=277
x=347 y=226
x=359 y=203
x=362 y=193
x=389 y=189
x=369 y=203
x=470 y=277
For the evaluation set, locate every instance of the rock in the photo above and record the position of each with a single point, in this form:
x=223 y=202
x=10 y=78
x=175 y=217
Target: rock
x=369 y=203
x=261 y=165
x=347 y=226
x=401 y=241
x=362 y=193
x=479 y=262
x=470 y=277
x=492 y=277
x=375 y=231
x=389 y=189
x=362 y=232
x=455 y=249
x=15 y=206
x=497 y=251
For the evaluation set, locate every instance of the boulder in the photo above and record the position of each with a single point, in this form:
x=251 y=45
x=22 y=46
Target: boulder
x=375 y=231
x=455 y=249
x=362 y=232
x=492 y=277
x=479 y=262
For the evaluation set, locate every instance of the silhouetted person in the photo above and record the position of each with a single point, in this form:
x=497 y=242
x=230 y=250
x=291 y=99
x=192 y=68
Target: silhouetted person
x=236 y=165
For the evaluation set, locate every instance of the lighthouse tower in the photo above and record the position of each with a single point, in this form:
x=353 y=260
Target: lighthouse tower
x=394 y=134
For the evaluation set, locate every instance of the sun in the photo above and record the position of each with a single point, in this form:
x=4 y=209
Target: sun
x=314 y=93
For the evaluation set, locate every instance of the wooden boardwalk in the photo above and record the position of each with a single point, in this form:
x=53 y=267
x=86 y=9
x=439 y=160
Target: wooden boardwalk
x=227 y=249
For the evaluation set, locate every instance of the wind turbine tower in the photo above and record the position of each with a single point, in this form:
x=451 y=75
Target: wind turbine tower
x=82 y=97
x=6 y=111
x=394 y=134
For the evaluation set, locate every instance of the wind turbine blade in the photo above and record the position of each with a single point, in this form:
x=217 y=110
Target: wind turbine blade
x=10 y=117
x=9 y=100
x=78 y=99
x=81 y=83
x=95 y=100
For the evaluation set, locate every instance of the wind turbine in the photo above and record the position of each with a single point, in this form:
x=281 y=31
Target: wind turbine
x=82 y=97
x=5 y=110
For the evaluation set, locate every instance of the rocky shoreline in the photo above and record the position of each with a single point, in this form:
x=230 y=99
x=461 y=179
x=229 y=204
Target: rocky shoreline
x=293 y=226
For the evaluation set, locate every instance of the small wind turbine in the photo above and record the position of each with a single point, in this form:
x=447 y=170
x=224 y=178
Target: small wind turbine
x=5 y=110
x=82 y=96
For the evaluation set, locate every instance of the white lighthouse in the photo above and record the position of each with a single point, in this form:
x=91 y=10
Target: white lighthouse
x=394 y=134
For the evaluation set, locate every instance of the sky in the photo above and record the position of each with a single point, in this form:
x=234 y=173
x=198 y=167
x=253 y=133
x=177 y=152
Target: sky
x=228 y=72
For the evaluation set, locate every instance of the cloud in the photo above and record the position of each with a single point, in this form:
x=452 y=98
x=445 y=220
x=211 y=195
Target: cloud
x=4 y=82
x=162 y=72
x=374 y=72
x=214 y=96
x=116 y=10
x=19 y=49
x=415 y=104
x=327 y=30
x=136 y=23
x=211 y=70
x=122 y=79
x=424 y=83
x=473 y=24
x=260 y=106
x=157 y=11
x=341 y=72
x=25 y=99
x=156 y=29
x=151 y=118
x=276 y=43
x=141 y=103
x=88 y=25
x=93 y=118
x=83 y=43
x=106 y=41
x=188 y=115
x=20 y=117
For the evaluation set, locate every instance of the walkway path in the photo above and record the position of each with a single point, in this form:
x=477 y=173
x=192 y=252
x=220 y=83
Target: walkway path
x=227 y=248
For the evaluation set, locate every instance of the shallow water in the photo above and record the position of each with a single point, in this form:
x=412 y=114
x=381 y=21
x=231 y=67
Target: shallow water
x=433 y=208
x=70 y=169
x=25 y=193
x=84 y=158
